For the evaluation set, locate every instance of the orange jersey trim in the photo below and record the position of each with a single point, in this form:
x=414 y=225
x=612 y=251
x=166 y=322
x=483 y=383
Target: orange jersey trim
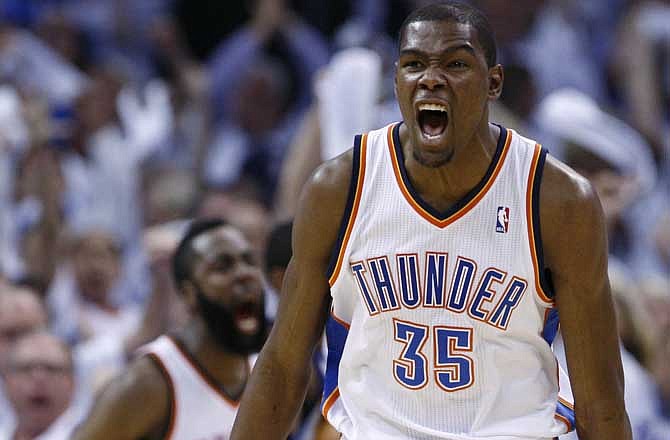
x=465 y=209
x=566 y=403
x=330 y=401
x=172 y=394
x=564 y=420
x=354 y=210
x=529 y=221
x=204 y=375
x=342 y=322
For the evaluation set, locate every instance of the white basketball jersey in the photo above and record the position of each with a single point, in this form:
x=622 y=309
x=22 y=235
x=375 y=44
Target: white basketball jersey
x=442 y=322
x=199 y=409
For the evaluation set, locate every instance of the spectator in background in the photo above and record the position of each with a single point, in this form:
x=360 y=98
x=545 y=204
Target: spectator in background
x=102 y=357
x=187 y=80
x=553 y=46
x=115 y=130
x=616 y=160
x=21 y=312
x=40 y=381
x=90 y=296
x=35 y=68
x=255 y=111
x=342 y=109
x=169 y=194
x=642 y=72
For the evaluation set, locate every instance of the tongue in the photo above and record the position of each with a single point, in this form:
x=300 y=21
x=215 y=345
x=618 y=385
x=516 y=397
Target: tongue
x=433 y=123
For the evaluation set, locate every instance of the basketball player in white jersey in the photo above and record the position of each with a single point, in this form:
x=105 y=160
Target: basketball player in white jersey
x=443 y=307
x=186 y=386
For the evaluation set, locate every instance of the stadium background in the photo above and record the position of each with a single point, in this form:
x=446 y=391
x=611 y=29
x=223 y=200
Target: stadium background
x=120 y=119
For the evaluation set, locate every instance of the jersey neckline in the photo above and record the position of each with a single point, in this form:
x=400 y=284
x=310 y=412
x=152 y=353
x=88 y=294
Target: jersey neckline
x=458 y=209
x=204 y=375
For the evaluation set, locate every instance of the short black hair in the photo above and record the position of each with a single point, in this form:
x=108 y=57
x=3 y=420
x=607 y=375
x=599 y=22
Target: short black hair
x=278 y=251
x=182 y=260
x=459 y=13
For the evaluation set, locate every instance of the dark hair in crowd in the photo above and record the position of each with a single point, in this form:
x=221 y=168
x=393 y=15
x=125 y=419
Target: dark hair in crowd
x=279 y=252
x=459 y=13
x=182 y=260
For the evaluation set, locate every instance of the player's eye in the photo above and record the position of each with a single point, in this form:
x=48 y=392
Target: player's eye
x=458 y=64
x=249 y=258
x=412 y=64
x=223 y=263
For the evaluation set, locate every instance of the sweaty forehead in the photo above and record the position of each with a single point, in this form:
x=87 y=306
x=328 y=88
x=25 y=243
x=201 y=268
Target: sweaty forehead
x=222 y=240
x=435 y=36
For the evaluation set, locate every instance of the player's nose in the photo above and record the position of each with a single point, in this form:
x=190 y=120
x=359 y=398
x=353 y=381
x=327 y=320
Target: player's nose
x=247 y=274
x=433 y=78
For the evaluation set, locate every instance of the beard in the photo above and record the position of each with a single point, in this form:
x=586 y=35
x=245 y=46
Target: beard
x=220 y=323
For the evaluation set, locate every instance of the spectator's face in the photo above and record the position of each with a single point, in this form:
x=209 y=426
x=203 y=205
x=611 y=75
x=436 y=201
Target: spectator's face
x=39 y=381
x=259 y=103
x=97 y=265
x=20 y=312
x=229 y=290
x=96 y=107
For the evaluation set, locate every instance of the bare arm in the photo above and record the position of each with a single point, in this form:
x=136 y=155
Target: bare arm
x=135 y=405
x=575 y=245
x=279 y=380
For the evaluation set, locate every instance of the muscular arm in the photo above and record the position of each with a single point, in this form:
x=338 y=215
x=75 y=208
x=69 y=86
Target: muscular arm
x=133 y=406
x=575 y=246
x=279 y=380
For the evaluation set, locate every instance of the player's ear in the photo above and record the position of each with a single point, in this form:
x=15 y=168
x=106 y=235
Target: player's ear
x=496 y=78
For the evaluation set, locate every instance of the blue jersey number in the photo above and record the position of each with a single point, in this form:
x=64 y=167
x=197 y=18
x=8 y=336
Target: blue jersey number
x=453 y=369
x=411 y=369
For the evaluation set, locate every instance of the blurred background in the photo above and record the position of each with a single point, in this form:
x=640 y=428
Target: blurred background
x=121 y=119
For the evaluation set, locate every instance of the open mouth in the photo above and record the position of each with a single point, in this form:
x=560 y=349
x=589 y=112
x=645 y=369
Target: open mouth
x=247 y=317
x=433 y=119
x=39 y=401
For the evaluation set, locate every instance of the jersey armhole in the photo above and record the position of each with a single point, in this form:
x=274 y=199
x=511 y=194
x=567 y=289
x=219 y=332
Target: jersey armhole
x=543 y=283
x=168 y=423
x=351 y=208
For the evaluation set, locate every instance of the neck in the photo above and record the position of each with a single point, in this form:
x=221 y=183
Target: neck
x=229 y=371
x=224 y=366
x=445 y=185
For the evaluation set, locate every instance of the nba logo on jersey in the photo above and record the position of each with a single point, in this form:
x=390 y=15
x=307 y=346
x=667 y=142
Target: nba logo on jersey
x=502 y=219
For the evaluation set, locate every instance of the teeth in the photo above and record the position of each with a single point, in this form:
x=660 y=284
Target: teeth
x=248 y=325
x=433 y=107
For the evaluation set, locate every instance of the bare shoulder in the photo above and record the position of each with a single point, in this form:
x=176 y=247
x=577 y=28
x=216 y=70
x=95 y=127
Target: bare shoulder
x=565 y=195
x=570 y=211
x=140 y=397
x=322 y=205
x=145 y=376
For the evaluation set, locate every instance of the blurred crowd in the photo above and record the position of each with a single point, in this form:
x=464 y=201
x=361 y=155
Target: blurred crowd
x=120 y=120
